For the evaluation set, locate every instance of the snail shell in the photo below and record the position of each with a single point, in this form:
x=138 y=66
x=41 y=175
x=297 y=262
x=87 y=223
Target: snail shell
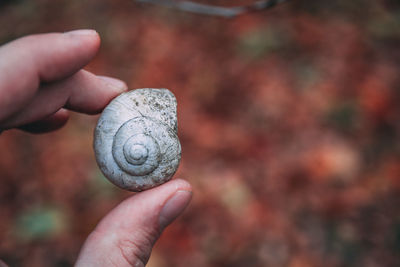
x=135 y=140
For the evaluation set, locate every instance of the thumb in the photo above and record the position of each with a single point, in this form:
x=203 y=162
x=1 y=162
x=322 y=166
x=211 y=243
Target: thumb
x=127 y=234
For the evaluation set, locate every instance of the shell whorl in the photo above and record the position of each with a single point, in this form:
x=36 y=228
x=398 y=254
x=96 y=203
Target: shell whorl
x=135 y=140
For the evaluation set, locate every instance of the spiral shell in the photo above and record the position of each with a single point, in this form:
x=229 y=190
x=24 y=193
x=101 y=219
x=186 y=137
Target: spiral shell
x=135 y=140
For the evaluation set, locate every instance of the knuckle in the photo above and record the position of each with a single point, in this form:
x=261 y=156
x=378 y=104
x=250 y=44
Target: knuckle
x=136 y=249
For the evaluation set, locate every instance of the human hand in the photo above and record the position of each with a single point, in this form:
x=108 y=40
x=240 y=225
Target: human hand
x=41 y=78
x=127 y=234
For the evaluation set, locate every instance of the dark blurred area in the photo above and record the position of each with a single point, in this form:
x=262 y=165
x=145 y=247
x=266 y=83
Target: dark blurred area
x=289 y=123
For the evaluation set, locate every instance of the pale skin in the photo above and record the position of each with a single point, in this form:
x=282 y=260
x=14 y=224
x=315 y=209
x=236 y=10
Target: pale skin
x=41 y=81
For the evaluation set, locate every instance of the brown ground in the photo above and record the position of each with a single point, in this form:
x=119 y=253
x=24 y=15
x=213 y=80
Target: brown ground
x=289 y=123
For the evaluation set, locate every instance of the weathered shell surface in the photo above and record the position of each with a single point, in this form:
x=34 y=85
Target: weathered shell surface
x=135 y=140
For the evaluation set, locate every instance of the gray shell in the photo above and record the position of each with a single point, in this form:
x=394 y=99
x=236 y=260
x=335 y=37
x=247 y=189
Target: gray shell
x=135 y=140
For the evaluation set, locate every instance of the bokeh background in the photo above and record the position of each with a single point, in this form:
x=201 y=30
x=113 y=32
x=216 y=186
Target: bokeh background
x=289 y=123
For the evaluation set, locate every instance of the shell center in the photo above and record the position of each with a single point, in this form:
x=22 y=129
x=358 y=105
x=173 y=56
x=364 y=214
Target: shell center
x=135 y=154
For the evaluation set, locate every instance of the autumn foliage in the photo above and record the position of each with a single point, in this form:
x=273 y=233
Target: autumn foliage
x=290 y=127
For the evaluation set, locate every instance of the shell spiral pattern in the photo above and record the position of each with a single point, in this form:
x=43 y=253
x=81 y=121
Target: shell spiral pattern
x=135 y=140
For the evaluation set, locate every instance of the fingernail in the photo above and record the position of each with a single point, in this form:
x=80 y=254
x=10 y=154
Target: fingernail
x=82 y=32
x=115 y=83
x=174 y=207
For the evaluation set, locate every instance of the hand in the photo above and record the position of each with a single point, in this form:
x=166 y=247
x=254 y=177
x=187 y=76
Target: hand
x=41 y=78
x=127 y=234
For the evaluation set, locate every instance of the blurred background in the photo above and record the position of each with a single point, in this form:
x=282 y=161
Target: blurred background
x=289 y=124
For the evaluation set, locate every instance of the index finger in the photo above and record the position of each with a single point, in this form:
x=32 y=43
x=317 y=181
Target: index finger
x=35 y=59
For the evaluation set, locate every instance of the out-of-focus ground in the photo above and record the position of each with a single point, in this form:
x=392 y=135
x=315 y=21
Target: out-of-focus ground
x=289 y=122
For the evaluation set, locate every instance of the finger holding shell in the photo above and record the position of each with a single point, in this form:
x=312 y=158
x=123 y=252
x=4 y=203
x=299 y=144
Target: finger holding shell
x=135 y=140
